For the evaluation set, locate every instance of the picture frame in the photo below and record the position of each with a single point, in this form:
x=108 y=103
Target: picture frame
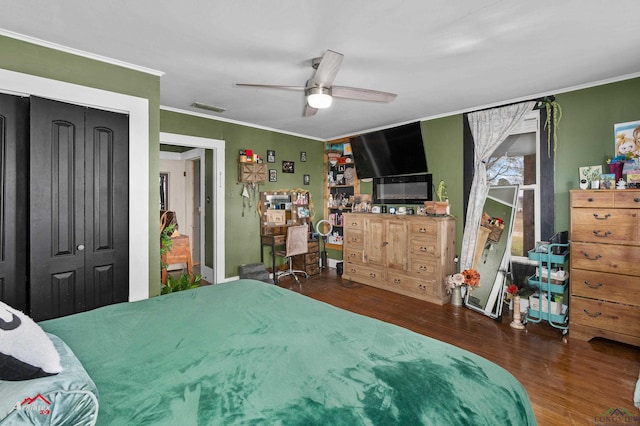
x=306 y=179
x=303 y=156
x=590 y=173
x=607 y=181
x=273 y=175
x=627 y=138
x=288 y=167
x=271 y=156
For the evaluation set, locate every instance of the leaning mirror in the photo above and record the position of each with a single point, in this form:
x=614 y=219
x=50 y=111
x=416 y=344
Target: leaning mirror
x=493 y=250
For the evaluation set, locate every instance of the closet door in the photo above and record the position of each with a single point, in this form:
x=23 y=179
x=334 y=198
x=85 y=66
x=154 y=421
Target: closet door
x=14 y=138
x=78 y=209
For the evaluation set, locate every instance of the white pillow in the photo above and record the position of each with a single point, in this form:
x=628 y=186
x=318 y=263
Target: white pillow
x=26 y=352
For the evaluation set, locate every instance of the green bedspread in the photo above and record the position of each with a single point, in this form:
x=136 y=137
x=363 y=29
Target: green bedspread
x=246 y=352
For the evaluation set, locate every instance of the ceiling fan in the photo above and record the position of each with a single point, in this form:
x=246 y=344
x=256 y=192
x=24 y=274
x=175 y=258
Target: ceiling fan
x=320 y=91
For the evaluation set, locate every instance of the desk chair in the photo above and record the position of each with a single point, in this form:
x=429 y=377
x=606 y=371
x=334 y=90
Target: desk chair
x=297 y=237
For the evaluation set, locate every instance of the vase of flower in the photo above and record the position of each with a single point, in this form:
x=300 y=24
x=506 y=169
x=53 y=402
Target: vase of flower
x=616 y=169
x=456 y=295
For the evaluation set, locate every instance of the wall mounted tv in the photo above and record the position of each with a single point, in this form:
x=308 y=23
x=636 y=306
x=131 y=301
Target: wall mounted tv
x=389 y=152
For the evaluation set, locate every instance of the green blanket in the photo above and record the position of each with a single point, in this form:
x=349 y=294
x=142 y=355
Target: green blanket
x=246 y=352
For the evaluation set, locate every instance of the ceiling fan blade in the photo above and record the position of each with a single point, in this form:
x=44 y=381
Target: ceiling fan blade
x=309 y=111
x=270 y=86
x=327 y=69
x=362 y=94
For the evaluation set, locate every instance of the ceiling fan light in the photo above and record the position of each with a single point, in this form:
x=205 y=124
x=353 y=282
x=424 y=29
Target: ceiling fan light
x=319 y=97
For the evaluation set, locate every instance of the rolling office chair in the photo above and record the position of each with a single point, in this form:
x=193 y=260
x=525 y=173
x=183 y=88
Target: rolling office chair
x=297 y=237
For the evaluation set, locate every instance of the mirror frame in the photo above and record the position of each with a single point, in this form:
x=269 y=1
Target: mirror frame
x=493 y=307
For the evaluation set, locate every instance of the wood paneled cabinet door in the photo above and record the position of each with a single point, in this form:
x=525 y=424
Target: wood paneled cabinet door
x=374 y=241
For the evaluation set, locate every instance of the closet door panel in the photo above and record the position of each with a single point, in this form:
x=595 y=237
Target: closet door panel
x=56 y=209
x=107 y=201
x=14 y=137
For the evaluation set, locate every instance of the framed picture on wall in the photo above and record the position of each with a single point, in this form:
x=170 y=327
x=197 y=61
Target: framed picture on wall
x=288 y=167
x=273 y=175
x=306 y=179
x=271 y=156
x=303 y=156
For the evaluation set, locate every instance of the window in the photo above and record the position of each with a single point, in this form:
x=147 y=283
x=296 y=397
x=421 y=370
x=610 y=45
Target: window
x=515 y=161
x=522 y=158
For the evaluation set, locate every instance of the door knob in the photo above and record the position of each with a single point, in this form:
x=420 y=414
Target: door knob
x=80 y=247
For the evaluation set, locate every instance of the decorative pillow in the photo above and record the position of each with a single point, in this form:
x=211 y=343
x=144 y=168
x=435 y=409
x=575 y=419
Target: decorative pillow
x=26 y=352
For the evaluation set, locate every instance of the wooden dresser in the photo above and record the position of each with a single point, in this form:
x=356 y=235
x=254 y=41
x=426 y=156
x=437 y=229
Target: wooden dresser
x=605 y=265
x=410 y=255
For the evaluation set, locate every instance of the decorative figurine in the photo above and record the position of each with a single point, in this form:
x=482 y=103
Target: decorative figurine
x=621 y=184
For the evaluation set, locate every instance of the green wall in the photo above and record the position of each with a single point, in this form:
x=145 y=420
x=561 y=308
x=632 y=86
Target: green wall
x=585 y=134
x=242 y=231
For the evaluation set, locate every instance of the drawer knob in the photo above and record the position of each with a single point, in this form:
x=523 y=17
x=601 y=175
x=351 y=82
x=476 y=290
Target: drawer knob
x=396 y=281
x=423 y=268
x=422 y=287
x=354 y=223
x=637 y=200
x=423 y=249
x=597 y=233
x=592 y=258
x=592 y=315
x=605 y=217
x=422 y=230
x=594 y=286
x=591 y=200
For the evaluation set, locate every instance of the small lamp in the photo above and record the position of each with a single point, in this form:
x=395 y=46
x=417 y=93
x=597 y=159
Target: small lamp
x=319 y=97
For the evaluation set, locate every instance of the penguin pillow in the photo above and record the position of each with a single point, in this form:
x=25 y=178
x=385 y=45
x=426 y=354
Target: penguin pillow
x=26 y=352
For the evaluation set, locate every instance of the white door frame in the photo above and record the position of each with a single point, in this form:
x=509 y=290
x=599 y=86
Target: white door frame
x=193 y=154
x=217 y=274
x=138 y=110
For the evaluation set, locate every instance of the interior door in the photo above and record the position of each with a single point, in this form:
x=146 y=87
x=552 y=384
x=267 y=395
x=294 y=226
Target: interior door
x=14 y=136
x=78 y=208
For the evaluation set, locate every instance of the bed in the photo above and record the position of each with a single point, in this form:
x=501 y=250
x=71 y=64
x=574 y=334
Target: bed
x=246 y=352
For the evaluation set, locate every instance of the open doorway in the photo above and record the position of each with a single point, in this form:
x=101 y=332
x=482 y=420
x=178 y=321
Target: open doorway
x=200 y=177
x=181 y=192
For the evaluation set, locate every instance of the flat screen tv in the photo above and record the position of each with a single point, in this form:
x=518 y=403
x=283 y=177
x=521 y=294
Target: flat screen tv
x=389 y=152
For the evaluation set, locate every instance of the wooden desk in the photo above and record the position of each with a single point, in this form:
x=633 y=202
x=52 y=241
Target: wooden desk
x=308 y=262
x=180 y=253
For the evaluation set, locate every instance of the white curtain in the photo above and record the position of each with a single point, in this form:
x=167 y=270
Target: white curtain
x=489 y=129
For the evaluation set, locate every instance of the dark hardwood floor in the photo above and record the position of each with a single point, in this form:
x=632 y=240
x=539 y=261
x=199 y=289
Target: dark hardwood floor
x=570 y=382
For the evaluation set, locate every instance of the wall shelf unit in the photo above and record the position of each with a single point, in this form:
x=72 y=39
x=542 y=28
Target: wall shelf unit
x=341 y=186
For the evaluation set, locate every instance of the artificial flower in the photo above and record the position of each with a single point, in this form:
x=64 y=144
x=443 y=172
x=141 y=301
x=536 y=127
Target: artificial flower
x=471 y=277
x=456 y=280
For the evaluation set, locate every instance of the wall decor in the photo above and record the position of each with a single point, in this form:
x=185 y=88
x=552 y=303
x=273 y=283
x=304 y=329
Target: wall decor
x=306 y=179
x=271 y=156
x=627 y=138
x=273 y=175
x=288 y=167
x=590 y=173
x=303 y=156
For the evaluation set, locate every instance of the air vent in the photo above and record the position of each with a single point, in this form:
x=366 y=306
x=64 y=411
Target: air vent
x=207 y=107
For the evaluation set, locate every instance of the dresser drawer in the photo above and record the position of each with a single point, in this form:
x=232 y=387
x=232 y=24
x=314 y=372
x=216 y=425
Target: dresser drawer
x=364 y=274
x=353 y=222
x=353 y=255
x=627 y=199
x=614 y=317
x=423 y=247
x=617 y=259
x=423 y=266
x=411 y=286
x=425 y=228
x=592 y=198
x=605 y=286
x=354 y=237
x=601 y=225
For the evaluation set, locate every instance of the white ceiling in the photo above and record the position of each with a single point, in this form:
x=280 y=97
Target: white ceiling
x=439 y=56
